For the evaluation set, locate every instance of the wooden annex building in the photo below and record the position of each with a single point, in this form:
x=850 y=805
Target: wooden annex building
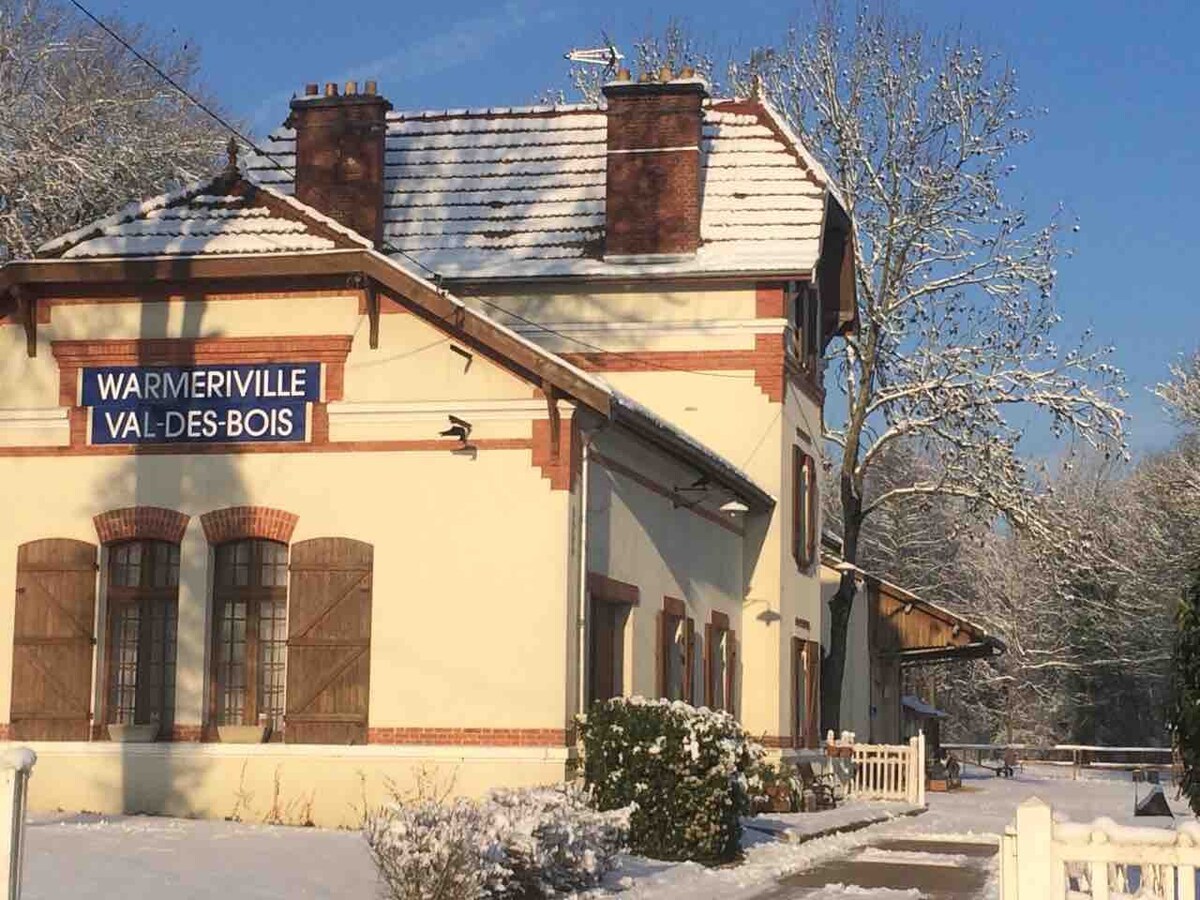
x=395 y=446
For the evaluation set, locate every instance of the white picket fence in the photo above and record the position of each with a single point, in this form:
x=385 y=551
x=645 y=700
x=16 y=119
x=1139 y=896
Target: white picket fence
x=1041 y=859
x=889 y=771
x=16 y=764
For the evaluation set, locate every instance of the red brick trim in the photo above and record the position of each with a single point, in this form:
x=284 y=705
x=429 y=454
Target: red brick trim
x=777 y=741
x=556 y=462
x=470 y=737
x=189 y=734
x=618 y=468
x=769 y=300
x=609 y=590
x=13 y=316
x=5 y=731
x=766 y=361
x=141 y=522
x=326 y=348
x=236 y=523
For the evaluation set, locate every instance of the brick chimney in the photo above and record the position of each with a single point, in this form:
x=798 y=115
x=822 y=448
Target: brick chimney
x=340 y=154
x=652 y=198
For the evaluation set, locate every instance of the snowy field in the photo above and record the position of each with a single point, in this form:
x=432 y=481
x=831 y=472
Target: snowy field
x=92 y=857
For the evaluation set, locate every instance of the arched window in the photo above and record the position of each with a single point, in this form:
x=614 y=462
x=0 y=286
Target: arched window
x=143 y=609
x=250 y=633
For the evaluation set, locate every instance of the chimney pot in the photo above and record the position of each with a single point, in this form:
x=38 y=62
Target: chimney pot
x=645 y=78
x=310 y=90
x=351 y=88
x=664 y=74
x=370 y=88
x=330 y=89
x=623 y=75
x=687 y=72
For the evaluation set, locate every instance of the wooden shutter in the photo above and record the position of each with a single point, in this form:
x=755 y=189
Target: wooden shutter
x=53 y=638
x=812 y=704
x=329 y=642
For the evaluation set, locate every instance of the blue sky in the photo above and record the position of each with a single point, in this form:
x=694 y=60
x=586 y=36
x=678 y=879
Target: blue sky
x=1120 y=147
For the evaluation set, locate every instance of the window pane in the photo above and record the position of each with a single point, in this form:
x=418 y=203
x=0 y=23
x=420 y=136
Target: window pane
x=676 y=658
x=124 y=666
x=231 y=663
x=272 y=656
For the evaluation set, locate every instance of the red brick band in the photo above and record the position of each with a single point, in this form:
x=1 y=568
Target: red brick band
x=141 y=523
x=237 y=523
x=470 y=737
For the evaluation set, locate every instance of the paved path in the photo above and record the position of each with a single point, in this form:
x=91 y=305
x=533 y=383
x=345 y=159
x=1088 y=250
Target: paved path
x=939 y=869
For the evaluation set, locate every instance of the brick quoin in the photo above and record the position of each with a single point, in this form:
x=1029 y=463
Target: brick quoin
x=141 y=523
x=556 y=465
x=652 y=194
x=237 y=523
x=470 y=737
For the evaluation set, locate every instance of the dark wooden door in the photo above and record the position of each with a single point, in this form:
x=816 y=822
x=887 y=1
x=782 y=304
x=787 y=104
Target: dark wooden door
x=329 y=642
x=53 y=640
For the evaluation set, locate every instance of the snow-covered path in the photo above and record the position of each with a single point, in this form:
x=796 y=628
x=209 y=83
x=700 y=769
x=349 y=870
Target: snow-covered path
x=93 y=857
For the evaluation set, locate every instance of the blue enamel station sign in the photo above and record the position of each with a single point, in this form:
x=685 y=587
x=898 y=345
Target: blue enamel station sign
x=250 y=403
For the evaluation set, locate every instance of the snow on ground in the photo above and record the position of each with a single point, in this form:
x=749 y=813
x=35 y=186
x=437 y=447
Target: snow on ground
x=87 y=857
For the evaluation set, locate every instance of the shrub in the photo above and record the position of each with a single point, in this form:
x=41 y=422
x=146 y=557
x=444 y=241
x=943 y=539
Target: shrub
x=513 y=844
x=684 y=770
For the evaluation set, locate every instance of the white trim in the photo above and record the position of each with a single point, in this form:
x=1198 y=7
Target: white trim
x=466 y=753
x=384 y=413
x=44 y=417
x=654 y=150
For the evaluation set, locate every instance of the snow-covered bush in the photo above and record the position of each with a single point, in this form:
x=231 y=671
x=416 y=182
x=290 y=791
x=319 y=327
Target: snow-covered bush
x=683 y=769
x=513 y=844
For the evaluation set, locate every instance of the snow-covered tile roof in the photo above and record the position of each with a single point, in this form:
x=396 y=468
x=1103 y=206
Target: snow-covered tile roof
x=520 y=192
x=193 y=221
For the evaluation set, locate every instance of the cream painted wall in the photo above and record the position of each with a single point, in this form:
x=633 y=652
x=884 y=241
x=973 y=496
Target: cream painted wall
x=727 y=411
x=638 y=536
x=468 y=601
x=472 y=557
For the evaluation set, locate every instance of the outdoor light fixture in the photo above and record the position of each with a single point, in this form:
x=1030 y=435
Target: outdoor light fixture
x=459 y=428
x=734 y=507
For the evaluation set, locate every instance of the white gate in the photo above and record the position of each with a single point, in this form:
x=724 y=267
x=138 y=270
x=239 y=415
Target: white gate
x=1041 y=859
x=889 y=771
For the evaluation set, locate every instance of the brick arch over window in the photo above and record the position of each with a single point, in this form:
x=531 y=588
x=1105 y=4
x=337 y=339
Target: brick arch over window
x=235 y=523
x=141 y=523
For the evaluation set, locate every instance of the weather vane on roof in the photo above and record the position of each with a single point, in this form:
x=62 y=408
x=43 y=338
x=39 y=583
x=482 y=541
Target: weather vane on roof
x=607 y=56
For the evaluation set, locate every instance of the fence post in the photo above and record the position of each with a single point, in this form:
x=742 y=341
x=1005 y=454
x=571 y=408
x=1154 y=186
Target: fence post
x=921 y=768
x=1035 y=859
x=1008 y=864
x=16 y=764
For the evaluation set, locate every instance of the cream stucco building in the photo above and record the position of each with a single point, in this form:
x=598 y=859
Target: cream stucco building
x=395 y=445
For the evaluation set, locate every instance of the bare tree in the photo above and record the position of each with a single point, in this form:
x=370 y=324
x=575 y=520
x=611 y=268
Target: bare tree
x=955 y=349
x=84 y=127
